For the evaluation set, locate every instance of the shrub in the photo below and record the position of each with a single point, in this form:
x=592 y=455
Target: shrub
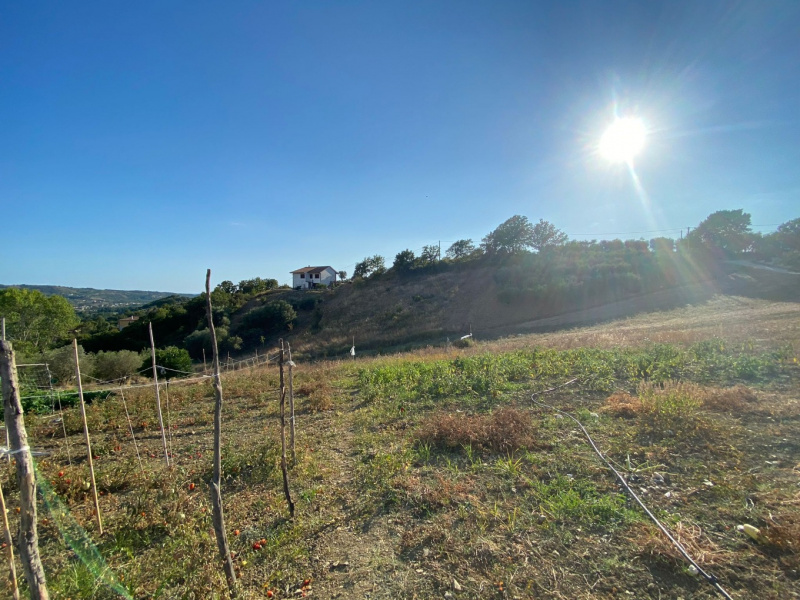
x=176 y=362
x=464 y=343
x=62 y=364
x=672 y=409
x=116 y=365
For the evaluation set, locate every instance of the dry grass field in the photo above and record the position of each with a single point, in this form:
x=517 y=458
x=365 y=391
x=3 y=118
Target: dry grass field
x=433 y=474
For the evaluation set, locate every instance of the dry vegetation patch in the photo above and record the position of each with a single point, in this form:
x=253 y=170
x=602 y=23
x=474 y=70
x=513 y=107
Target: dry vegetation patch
x=504 y=430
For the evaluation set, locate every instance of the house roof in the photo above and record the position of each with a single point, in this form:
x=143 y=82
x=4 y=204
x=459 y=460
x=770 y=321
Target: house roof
x=312 y=270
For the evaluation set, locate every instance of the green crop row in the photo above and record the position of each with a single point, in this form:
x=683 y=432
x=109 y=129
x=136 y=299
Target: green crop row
x=597 y=369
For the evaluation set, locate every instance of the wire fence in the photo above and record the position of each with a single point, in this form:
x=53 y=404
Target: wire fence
x=102 y=386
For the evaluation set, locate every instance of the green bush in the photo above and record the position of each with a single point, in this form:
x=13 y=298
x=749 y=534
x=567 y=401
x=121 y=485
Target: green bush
x=273 y=317
x=116 y=365
x=61 y=362
x=176 y=362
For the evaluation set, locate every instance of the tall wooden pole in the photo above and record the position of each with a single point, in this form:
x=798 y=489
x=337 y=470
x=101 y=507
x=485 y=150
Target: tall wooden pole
x=86 y=435
x=291 y=405
x=218 y=516
x=158 y=395
x=8 y=443
x=284 y=470
x=26 y=479
x=9 y=547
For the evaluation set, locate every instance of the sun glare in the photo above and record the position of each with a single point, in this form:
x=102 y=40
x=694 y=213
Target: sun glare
x=623 y=140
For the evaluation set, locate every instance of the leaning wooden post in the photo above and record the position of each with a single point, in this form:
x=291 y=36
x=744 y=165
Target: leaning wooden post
x=10 y=547
x=158 y=395
x=291 y=404
x=285 y=471
x=26 y=480
x=86 y=435
x=218 y=517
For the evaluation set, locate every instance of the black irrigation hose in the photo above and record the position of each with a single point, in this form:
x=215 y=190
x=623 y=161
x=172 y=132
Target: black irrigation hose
x=707 y=576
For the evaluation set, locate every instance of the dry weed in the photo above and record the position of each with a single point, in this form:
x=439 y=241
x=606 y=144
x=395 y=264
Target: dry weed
x=505 y=430
x=700 y=547
x=783 y=538
x=623 y=405
x=735 y=399
x=319 y=395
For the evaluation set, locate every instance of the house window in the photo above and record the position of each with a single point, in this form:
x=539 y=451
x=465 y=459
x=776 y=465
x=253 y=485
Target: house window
x=316 y=275
x=302 y=275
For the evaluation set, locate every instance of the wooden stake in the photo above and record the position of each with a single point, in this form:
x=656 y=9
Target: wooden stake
x=169 y=418
x=285 y=471
x=130 y=426
x=291 y=405
x=158 y=396
x=86 y=435
x=218 y=516
x=10 y=547
x=26 y=480
x=60 y=412
x=8 y=442
x=204 y=362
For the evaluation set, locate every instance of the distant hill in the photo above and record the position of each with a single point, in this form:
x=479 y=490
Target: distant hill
x=89 y=300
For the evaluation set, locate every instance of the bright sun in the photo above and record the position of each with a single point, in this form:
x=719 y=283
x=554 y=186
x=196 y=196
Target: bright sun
x=623 y=139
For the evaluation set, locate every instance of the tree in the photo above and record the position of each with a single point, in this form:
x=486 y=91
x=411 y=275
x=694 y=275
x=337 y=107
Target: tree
x=227 y=287
x=35 y=321
x=460 y=249
x=546 y=235
x=661 y=245
x=274 y=316
x=789 y=234
x=342 y=275
x=404 y=261
x=372 y=265
x=61 y=362
x=725 y=232
x=511 y=237
x=256 y=285
x=430 y=254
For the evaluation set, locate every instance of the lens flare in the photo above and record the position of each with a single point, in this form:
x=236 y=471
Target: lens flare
x=623 y=139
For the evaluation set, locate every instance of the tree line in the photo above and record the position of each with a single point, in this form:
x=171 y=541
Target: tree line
x=531 y=262
x=725 y=234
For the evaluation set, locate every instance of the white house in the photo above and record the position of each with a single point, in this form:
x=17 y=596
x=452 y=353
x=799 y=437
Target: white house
x=310 y=277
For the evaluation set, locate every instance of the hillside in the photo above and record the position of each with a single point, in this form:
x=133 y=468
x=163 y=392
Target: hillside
x=435 y=474
x=90 y=300
x=395 y=311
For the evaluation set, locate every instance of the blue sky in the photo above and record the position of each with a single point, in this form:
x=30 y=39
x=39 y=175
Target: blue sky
x=143 y=142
